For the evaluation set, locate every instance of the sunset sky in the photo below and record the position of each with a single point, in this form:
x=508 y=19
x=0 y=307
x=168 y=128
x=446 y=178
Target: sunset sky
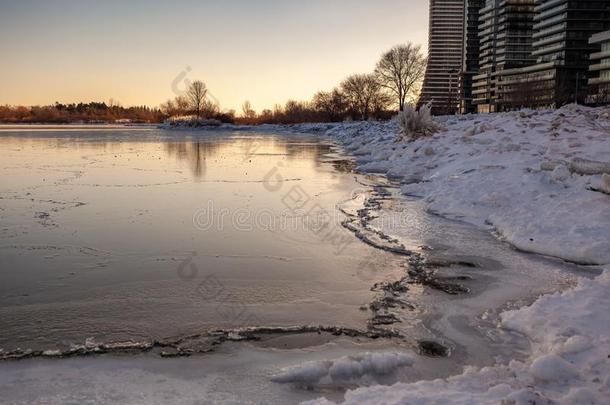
x=265 y=51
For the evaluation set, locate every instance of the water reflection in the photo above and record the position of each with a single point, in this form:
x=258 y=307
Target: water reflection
x=194 y=153
x=95 y=225
x=198 y=152
x=344 y=165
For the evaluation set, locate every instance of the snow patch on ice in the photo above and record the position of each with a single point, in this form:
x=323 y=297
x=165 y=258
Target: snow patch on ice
x=362 y=368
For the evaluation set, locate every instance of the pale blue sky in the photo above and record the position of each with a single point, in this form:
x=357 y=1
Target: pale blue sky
x=266 y=51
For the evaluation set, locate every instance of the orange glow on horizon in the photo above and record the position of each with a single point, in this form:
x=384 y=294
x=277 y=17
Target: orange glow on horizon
x=267 y=54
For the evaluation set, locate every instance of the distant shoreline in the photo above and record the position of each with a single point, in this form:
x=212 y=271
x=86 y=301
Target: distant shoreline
x=73 y=125
x=81 y=123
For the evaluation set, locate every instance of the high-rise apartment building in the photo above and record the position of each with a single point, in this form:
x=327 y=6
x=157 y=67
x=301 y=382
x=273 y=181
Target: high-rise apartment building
x=441 y=85
x=470 y=53
x=561 y=47
x=505 y=43
x=513 y=53
x=599 y=79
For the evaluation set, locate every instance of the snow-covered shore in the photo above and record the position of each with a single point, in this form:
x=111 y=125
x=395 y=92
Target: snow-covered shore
x=541 y=181
x=530 y=175
x=570 y=336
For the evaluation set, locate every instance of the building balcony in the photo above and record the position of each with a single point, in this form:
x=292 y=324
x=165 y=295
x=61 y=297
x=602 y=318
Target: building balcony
x=599 y=66
x=600 y=55
x=540 y=16
x=549 y=49
x=599 y=80
x=481 y=100
x=483 y=76
x=549 y=4
x=549 y=40
x=600 y=37
x=546 y=22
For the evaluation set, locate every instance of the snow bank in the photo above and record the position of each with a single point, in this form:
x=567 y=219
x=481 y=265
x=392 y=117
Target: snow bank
x=540 y=178
x=190 y=121
x=570 y=336
x=358 y=369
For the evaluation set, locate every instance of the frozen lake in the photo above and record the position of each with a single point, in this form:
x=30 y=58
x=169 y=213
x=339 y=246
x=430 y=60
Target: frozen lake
x=138 y=235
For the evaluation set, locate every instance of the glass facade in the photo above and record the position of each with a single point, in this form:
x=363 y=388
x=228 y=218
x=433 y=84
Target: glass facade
x=505 y=37
x=545 y=64
x=599 y=70
x=470 y=63
x=441 y=85
x=516 y=53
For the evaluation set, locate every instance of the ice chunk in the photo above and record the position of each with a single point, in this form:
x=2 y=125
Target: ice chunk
x=345 y=369
x=551 y=368
x=589 y=167
x=600 y=183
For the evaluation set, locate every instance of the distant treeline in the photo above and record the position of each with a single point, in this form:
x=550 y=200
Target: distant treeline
x=393 y=84
x=325 y=107
x=331 y=106
x=82 y=112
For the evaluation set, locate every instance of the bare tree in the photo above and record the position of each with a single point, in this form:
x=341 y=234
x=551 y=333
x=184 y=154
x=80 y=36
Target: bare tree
x=196 y=95
x=247 y=110
x=380 y=103
x=332 y=103
x=266 y=116
x=296 y=111
x=178 y=106
x=182 y=104
x=364 y=94
x=169 y=108
x=401 y=70
x=209 y=108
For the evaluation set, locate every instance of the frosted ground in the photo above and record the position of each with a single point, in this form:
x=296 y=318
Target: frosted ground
x=541 y=181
